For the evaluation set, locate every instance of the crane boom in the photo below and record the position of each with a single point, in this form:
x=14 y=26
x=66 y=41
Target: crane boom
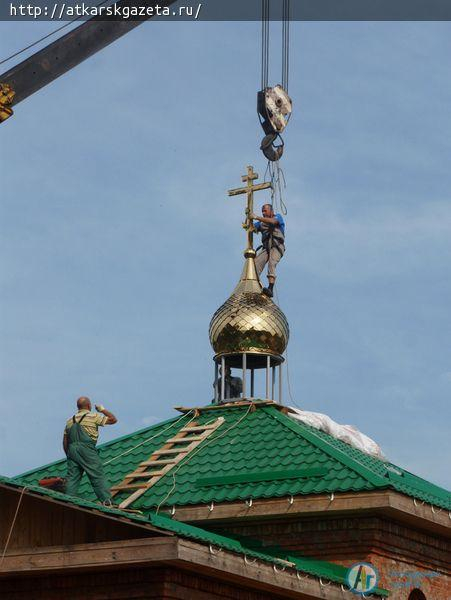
x=65 y=53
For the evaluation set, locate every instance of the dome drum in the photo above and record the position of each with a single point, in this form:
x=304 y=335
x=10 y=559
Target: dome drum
x=229 y=387
x=253 y=360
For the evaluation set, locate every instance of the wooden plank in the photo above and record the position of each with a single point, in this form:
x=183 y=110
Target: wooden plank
x=156 y=463
x=74 y=557
x=147 y=474
x=236 y=404
x=186 y=439
x=279 y=582
x=196 y=428
x=129 y=486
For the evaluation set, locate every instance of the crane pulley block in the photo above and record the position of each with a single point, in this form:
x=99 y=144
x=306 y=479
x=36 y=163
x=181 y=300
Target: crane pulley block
x=274 y=107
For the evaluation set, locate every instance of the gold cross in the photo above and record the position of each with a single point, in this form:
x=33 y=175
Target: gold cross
x=249 y=190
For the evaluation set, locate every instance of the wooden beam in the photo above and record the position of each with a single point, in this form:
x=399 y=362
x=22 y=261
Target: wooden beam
x=386 y=502
x=89 y=556
x=270 y=579
x=237 y=404
x=177 y=552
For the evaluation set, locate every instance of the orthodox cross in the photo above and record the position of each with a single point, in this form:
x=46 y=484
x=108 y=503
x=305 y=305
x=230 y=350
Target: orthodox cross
x=249 y=190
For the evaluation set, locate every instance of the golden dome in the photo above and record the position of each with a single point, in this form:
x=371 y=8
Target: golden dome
x=249 y=321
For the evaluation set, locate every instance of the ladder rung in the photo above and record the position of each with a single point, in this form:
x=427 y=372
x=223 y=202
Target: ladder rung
x=129 y=486
x=175 y=440
x=173 y=451
x=197 y=428
x=148 y=474
x=156 y=463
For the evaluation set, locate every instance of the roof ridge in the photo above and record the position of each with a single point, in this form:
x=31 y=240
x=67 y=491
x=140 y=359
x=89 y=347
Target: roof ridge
x=337 y=454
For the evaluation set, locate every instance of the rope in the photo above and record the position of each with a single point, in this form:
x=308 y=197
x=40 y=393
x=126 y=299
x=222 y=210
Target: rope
x=12 y=526
x=46 y=36
x=278 y=182
x=194 y=452
x=151 y=438
x=287 y=365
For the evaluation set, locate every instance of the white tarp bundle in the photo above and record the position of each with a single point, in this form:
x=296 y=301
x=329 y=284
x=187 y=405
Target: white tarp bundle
x=345 y=433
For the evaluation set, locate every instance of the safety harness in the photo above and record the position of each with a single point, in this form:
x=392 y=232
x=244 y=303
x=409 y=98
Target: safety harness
x=272 y=237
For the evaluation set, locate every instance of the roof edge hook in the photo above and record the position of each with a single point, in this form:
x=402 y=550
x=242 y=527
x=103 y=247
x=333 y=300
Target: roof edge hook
x=278 y=571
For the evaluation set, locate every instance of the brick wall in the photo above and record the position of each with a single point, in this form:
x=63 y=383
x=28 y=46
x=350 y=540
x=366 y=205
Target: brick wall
x=406 y=558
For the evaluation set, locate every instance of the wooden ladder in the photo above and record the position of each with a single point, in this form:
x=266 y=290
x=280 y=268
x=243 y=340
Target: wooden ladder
x=163 y=460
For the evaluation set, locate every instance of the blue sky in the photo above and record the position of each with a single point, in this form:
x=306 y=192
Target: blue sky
x=118 y=240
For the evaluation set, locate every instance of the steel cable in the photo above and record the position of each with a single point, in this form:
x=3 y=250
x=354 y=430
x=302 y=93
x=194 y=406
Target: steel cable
x=265 y=44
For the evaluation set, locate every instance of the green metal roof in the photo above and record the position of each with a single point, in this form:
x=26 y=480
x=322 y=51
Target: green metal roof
x=255 y=453
x=241 y=545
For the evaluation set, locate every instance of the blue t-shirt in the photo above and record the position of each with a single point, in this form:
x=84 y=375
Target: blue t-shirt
x=281 y=223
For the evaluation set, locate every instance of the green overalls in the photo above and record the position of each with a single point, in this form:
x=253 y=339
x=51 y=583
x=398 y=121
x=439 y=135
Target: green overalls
x=82 y=455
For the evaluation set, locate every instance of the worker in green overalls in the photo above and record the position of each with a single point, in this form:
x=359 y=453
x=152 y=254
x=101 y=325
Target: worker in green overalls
x=79 y=443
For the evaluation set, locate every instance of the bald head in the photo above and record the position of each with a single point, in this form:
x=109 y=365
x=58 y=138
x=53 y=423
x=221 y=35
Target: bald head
x=84 y=403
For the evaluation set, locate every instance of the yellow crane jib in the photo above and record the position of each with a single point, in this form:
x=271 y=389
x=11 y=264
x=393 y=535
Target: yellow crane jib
x=6 y=98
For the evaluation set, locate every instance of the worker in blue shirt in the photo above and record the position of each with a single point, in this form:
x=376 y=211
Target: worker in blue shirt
x=272 y=227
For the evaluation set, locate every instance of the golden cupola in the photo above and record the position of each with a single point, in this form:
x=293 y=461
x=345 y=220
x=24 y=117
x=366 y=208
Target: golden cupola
x=249 y=331
x=249 y=321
